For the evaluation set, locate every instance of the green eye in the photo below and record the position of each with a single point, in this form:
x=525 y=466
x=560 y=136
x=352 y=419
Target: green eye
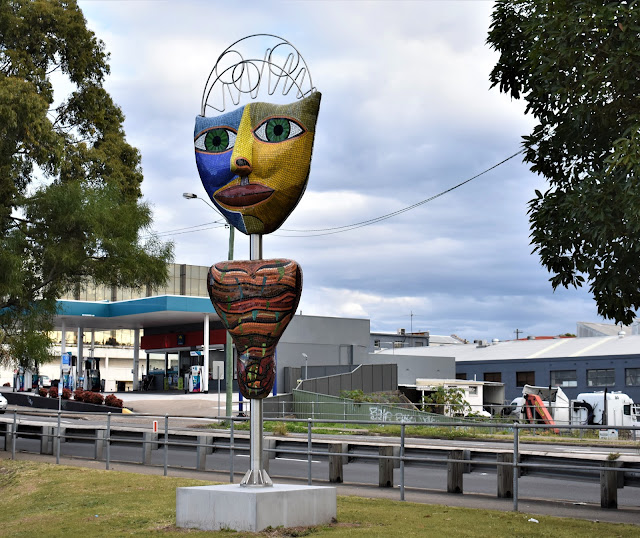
x=217 y=140
x=276 y=130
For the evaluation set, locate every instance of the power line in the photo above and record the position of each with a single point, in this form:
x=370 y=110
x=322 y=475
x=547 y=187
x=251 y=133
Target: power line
x=347 y=227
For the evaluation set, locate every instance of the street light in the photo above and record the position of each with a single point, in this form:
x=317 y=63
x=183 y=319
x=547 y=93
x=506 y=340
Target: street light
x=228 y=372
x=306 y=366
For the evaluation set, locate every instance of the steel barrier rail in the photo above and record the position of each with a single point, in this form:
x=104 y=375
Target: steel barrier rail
x=606 y=470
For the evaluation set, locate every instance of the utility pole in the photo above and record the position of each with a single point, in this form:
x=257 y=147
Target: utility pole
x=518 y=331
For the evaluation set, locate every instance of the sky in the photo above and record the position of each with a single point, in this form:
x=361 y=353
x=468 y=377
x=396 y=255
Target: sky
x=407 y=112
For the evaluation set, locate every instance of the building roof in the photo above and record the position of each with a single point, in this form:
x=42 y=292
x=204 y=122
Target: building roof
x=603 y=329
x=532 y=349
x=155 y=311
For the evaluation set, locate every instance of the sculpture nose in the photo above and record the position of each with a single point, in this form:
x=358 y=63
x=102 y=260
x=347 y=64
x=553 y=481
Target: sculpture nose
x=243 y=167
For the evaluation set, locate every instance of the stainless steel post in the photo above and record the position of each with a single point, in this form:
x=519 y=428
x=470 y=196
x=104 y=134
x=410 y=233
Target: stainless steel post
x=231 y=451
x=516 y=439
x=166 y=443
x=108 y=441
x=14 y=434
x=256 y=476
x=58 y=441
x=309 y=444
x=402 y=462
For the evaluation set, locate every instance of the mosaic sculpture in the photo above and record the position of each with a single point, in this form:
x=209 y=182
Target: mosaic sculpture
x=255 y=301
x=254 y=163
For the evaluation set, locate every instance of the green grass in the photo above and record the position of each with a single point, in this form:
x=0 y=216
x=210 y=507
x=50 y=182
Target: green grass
x=39 y=499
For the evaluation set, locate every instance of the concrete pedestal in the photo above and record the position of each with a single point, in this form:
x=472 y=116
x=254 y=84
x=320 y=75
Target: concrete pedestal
x=254 y=509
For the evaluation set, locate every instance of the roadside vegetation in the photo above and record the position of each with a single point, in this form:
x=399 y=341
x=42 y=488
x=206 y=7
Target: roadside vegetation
x=288 y=426
x=40 y=499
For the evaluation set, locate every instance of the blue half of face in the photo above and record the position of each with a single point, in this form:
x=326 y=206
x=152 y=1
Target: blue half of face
x=214 y=139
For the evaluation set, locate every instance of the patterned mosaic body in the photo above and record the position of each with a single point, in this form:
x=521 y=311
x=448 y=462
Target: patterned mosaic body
x=254 y=161
x=255 y=300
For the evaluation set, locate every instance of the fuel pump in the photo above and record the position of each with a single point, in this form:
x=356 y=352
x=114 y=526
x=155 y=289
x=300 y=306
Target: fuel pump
x=91 y=379
x=66 y=378
x=195 y=379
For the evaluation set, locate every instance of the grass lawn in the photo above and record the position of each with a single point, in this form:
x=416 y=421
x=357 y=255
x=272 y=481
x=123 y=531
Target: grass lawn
x=38 y=499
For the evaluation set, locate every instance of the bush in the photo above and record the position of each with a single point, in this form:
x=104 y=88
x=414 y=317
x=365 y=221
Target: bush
x=66 y=394
x=96 y=398
x=113 y=401
x=86 y=396
x=77 y=394
x=53 y=392
x=43 y=392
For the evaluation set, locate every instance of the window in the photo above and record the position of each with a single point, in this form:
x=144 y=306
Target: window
x=632 y=377
x=398 y=343
x=472 y=391
x=493 y=376
x=564 y=378
x=461 y=375
x=525 y=378
x=418 y=343
x=376 y=343
x=601 y=378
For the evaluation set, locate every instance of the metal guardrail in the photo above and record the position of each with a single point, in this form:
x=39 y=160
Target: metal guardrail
x=509 y=463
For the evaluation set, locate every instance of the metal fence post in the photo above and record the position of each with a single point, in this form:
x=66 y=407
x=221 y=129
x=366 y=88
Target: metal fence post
x=58 y=440
x=166 y=443
x=231 y=452
x=108 y=458
x=14 y=434
x=516 y=469
x=309 y=422
x=402 y=462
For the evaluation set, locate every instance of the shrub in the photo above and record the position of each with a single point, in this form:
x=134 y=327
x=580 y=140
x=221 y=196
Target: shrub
x=77 y=394
x=113 y=401
x=43 y=392
x=86 y=396
x=96 y=398
x=66 y=394
x=53 y=392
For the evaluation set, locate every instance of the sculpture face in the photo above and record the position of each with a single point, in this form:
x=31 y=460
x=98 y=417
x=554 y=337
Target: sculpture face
x=254 y=162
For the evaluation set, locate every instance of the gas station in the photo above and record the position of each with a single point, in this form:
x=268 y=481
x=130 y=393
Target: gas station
x=179 y=327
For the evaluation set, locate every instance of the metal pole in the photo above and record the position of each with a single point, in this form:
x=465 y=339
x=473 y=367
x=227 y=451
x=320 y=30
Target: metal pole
x=231 y=450
x=108 y=441
x=256 y=475
x=58 y=440
x=14 y=434
x=166 y=443
x=218 y=374
x=309 y=423
x=516 y=438
x=228 y=375
x=402 y=462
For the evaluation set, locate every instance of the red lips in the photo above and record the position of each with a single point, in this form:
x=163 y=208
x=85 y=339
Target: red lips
x=243 y=195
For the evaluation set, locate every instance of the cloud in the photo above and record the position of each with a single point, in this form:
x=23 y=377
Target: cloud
x=406 y=114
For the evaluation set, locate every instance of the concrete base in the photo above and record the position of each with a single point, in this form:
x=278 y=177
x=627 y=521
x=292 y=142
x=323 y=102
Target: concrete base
x=239 y=508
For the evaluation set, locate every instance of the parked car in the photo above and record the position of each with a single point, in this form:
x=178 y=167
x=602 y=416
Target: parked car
x=3 y=404
x=44 y=381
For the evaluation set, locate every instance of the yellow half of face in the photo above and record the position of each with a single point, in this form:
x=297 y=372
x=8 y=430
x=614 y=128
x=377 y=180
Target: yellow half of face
x=271 y=160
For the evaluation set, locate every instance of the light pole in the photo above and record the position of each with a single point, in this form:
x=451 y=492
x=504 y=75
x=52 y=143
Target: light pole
x=228 y=370
x=306 y=366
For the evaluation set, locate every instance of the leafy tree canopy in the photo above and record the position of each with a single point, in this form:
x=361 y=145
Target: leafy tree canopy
x=70 y=207
x=576 y=64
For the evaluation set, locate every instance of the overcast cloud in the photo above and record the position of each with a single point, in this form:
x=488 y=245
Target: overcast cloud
x=406 y=113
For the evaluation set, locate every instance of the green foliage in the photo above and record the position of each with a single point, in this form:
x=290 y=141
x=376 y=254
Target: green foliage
x=70 y=206
x=447 y=401
x=575 y=65
x=356 y=395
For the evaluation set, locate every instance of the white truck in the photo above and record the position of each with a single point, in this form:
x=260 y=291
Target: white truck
x=552 y=406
